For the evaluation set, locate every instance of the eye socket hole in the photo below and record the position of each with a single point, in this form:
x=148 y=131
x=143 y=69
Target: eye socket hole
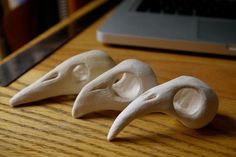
x=81 y=72
x=127 y=86
x=51 y=77
x=187 y=101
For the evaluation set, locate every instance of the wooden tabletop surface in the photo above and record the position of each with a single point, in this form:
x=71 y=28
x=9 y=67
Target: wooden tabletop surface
x=46 y=128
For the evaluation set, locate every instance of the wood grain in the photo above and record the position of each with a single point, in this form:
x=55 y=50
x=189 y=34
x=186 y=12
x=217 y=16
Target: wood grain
x=46 y=128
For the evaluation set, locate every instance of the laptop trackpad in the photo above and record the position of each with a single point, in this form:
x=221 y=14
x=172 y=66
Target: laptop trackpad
x=219 y=31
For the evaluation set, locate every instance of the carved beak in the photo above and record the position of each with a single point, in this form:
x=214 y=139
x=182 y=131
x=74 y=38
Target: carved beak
x=115 y=89
x=97 y=96
x=67 y=78
x=186 y=98
x=142 y=105
x=45 y=87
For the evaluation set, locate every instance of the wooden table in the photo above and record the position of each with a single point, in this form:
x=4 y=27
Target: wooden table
x=46 y=128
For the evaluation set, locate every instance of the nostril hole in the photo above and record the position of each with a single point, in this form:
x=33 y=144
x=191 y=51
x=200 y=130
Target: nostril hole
x=187 y=102
x=52 y=77
x=118 y=79
x=100 y=87
x=150 y=97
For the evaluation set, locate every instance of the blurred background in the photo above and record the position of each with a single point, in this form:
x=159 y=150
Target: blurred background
x=22 y=20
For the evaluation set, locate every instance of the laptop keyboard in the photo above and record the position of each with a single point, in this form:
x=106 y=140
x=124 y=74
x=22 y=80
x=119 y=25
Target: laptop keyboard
x=203 y=8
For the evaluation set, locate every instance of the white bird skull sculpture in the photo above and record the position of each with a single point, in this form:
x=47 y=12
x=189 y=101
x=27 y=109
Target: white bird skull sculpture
x=66 y=78
x=115 y=89
x=186 y=98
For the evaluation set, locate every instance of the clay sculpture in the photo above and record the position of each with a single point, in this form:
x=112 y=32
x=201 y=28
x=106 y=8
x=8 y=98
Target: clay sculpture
x=67 y=78
x=186 y=98
x=115 y=89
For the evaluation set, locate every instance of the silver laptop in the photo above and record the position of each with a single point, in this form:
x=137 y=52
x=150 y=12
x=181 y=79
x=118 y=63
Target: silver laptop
x=206 y=26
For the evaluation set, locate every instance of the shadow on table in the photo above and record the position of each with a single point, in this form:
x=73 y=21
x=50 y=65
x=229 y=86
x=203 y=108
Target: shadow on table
x=221 y=125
